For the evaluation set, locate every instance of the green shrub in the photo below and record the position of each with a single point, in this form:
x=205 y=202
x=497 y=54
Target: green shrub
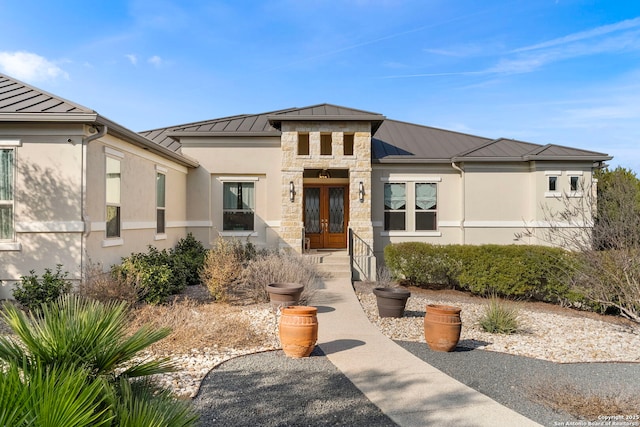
x=500 y=318
x=32 y=291
x=422 y=264
x=153 y=274
x=521 y=271
x=188 y=256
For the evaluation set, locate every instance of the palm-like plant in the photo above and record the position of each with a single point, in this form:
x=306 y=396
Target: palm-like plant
x=74 y=334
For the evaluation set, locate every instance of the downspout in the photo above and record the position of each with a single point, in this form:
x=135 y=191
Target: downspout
x=83 y=199
x=462 y=202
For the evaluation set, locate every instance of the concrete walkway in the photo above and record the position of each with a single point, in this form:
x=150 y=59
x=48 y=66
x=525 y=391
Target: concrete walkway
x=408 y=390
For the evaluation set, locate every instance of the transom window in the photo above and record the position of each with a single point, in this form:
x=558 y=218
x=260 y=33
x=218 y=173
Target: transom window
x=113 y=180
x=238 y=206
x=7 y=172
x=325 y=144
x=348 y=144
x=303 y=144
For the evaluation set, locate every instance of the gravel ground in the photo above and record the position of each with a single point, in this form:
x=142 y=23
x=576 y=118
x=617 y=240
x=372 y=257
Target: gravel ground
x=270 y=389
x=510 y=380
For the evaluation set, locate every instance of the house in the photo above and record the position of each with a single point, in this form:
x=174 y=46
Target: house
x=75 y=187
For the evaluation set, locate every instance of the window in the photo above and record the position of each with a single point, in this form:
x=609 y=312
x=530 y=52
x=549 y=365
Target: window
x=113 y=197
x=348 y=144
x=395 y=205
x=303 y=144
x=160 y=203
x=7 y=168
x=238 y=206
x=426 y=203
x=325 y=144
x=553 y=181
x=574 y=182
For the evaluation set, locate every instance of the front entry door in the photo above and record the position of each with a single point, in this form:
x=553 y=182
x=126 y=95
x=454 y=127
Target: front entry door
x=326 y=210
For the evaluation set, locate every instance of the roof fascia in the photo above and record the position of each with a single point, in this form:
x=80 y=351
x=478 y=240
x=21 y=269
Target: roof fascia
x=392 y=160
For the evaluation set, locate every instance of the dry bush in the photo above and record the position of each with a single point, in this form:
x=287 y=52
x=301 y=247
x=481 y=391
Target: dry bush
x=103 y=286
x=222 y=268
x=198 y=325
x=279 y=268
x=582 y=403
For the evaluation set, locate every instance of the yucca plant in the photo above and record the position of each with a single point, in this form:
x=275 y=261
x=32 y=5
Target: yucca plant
x=78 y=334
x=500 y=318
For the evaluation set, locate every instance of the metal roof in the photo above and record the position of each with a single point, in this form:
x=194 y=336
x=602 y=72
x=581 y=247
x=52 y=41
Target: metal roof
x=20 y=102
x=397 y=141
x=513 y=150
x=392 y=141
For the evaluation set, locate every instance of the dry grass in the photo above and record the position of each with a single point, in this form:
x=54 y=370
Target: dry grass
x=584 y=404
x=102 y=286
x=197 y=323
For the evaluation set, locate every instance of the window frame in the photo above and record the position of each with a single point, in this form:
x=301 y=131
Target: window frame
x=417 y=210
x=161 y=226
x=410 y=182
x=238 y=180
x=388 y=212
x=112 y=155
x=11 y=146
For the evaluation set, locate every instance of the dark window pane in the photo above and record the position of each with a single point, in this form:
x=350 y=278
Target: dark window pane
x=394 y=221
x=237 y=220
x=160 y=221
x=574 y=183
x=552 y=183
x=303 y=144
x=425 y=220
x=113 y=221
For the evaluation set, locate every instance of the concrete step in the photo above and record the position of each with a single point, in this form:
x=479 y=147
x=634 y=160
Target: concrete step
x=331 y=263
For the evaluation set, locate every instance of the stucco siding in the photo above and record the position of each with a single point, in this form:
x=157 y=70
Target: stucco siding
x=47 y=198
x=229 y=159
x=138 y=201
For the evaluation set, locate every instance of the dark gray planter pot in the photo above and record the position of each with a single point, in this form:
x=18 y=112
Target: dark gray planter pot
x=391 y=301
x=284 y=294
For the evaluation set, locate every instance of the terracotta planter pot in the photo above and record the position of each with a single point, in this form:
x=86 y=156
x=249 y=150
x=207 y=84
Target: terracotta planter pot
x=284 y=294
x=442 y=326
x=298 y=330
x=391 y=301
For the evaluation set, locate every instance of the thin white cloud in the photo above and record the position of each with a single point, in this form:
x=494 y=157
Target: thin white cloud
x=30 y=67
x=132 y=58
x=583 y=35
x=155 y=60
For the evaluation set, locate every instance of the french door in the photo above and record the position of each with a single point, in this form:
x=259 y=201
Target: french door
x=326 y=210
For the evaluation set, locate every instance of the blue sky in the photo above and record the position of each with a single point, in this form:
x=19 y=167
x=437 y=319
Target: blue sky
x=546 y=71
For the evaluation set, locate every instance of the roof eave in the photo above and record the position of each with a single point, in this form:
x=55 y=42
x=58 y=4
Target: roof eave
x=49 y=117
x=391 y=159
x=594 y=158
x=375 y=119
x=179 y=134
x=116 y=129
